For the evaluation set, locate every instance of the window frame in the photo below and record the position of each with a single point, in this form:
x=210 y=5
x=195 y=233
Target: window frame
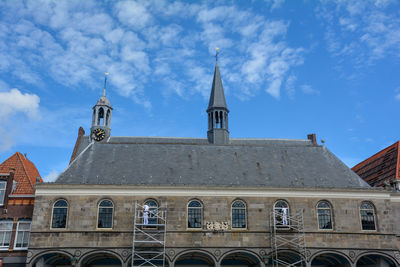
x=4 y=190
x=245 y=214
x=373 y=214
x=330 y=215
x=98 y=214
x=24 y=231
x=52 y=215
x=10 y=222
x=281 y=225
x=201 y=214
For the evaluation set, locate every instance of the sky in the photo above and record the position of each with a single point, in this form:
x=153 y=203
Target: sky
x=289 y=68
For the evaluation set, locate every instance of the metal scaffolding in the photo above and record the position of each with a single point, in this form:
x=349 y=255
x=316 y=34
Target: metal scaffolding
x=149 y=238
x=287 y=234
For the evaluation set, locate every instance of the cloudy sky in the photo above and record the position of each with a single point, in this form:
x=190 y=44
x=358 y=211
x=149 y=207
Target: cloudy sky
x=289 y=68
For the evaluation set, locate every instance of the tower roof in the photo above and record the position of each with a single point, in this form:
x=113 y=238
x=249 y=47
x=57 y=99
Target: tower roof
x=25 y=173
x=217 y=97
x=103 y=101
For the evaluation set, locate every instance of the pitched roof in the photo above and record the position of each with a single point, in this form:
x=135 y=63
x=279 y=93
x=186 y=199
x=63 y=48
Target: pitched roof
x=25 y=173
x=380 y=167
x=187 y=161
x=217 y=97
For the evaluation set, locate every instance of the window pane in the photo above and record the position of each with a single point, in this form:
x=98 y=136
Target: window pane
x=61 y=203
x=105 y=218
x=194 y=217
x=281 y=213
x=59 y=217
x=194 y=204
x=2 y=191
x=238 y=204
x=238 y=218
x=367 y=220
x=324 y=219
x=5 y=232
x=106 y=203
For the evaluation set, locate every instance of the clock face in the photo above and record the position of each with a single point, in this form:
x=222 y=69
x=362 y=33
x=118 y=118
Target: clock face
x=99 y=134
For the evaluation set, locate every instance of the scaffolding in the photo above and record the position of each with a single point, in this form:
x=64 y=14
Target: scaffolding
x=148 y=244
x=287 y=234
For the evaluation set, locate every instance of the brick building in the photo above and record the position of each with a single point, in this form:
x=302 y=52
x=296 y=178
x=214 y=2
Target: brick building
x=18 y=175
x=381 y=169
x=215 y=201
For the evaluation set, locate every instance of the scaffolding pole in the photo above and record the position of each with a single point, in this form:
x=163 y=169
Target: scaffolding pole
x=287 y=235
x=148 y=239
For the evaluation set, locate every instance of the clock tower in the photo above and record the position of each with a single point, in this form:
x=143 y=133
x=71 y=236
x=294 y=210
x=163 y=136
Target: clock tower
x=101 y=120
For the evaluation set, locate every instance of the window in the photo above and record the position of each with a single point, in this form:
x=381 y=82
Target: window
x=281 y=213
x=22 y=236
x=5 y=233
x=153 y=211
x=60 y=211
x=324 y=215
x=3 y=185
x=367 y=213
x=105 y=216
x=238 y=214
x=195 y=210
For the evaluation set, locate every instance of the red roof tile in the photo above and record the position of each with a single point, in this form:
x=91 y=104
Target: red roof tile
x=25 y=173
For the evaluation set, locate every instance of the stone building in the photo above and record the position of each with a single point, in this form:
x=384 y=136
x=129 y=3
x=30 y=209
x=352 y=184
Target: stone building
x=226 y=202
x=18 y=176
x=381 y=169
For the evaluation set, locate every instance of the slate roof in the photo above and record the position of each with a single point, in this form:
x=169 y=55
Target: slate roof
x=217 y=97
x=195 y=162
x=25 y=173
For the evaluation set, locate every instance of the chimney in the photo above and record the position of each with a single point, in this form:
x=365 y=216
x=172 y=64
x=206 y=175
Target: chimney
x=313 y=138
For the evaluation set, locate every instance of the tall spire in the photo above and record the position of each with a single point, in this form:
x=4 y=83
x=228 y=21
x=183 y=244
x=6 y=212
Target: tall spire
x=217 y=110
x=105 y=83
x=217 y=97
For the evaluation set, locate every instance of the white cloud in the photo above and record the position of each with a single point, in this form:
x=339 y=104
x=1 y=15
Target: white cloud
x=133 y=14
x=308 y=90
x=361 y=31
x=51 y=177
x=13 y=102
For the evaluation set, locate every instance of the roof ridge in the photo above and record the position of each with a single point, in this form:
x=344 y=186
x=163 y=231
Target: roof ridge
x=24 y=167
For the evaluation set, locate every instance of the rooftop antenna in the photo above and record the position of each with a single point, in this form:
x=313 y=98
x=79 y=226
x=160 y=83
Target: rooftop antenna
x=105 y=83
x=216 y=54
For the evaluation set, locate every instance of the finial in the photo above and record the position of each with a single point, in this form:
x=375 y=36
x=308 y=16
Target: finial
x=216 y=54
x=105 y=83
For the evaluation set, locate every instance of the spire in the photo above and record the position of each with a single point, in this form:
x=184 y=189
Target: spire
x=217 y=97
x=217 y=110
x=105 y=83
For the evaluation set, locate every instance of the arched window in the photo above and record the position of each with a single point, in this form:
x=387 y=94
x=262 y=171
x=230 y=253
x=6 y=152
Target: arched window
x=100 y=117
x=367 y=214
x=105 y=214
x=239 y=214
x=60 y=213
x=153 y=211
x=324 y=215
x=195 y=210
x=281 y=213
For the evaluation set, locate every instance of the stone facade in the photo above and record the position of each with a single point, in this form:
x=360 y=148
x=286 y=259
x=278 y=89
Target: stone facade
x=347 y=239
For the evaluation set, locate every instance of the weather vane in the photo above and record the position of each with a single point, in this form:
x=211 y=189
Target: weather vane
x=216 y=53
x=105 y=83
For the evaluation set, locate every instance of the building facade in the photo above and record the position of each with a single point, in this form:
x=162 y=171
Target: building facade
x=214 y=201
x=18 y=176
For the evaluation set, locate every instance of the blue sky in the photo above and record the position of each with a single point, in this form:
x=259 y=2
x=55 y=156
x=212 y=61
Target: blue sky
x=289 y=68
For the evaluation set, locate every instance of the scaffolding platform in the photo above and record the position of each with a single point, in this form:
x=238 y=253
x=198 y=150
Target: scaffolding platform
x=148 y=244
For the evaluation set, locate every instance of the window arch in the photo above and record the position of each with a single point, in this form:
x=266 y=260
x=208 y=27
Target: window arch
x=239 y=220
x=153 y=211
x=281 y=213
x=195 y=214
x=105 y=214
x=324 y=212
x=367 y=214
x=60 y=213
